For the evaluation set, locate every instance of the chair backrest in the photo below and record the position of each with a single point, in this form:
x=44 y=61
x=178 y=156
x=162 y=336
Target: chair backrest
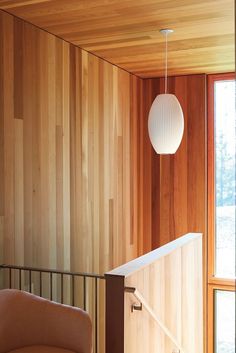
x=26 y=319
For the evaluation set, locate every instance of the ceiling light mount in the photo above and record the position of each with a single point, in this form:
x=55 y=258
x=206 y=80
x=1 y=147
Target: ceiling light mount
x=166 y=31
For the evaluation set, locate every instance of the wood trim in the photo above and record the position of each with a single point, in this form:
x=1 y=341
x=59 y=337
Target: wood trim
x=210 y=317
x=221 y=281
x=213 y=282
x=211 y=170
x=225 y=287
x=115 y=313
x=210 y=321
x=210 y=176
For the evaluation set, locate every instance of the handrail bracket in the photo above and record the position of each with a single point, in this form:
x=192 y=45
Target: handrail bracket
x=136 y=306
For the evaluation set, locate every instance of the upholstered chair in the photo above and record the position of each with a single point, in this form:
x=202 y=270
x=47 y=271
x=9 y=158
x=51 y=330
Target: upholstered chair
x=30 y=324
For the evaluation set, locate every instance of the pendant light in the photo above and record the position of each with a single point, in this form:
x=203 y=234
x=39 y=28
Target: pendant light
x=165 y=120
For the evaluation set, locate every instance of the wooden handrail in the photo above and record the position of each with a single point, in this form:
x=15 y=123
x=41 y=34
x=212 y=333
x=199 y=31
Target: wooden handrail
x=145 y=304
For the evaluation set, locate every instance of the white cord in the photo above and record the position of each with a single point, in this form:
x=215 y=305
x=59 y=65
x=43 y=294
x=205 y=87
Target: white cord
x=166 y=32
x=166 y=64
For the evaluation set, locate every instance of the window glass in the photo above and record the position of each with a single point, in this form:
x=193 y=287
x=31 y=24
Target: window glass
x=225 y=178
x=224 y=321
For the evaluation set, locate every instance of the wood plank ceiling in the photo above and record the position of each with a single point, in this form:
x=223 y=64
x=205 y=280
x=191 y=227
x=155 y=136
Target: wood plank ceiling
x=126 y=32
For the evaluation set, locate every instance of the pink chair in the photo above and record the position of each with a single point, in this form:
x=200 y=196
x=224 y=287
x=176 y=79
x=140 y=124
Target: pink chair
x=30 y=324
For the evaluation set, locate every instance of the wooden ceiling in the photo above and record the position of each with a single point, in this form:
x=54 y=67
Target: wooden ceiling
x=126 y=32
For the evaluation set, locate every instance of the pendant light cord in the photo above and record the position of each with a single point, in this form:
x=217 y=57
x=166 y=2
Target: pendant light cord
x=166 y=32
x=166 y=64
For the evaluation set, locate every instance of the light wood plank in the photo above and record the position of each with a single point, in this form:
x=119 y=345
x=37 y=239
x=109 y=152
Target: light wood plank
x=169 y=282
x=19 y=192
x=126 y=32
x=66 y=172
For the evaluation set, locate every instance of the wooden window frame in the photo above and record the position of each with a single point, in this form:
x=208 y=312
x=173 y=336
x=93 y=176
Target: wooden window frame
x=211 y=312
x=214 y=283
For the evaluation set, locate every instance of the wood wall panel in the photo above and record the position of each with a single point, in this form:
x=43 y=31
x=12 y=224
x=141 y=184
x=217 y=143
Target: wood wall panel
x=69 y=167
x=167 y=280
x=80 y=186
x=179 y=181
x=74 y=143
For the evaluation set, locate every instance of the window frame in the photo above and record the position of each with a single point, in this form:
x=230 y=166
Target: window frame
x=213 y=282
x=211 y=312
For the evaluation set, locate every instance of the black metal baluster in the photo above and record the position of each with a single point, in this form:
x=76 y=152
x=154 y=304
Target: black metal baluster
x=40 y=284
x=30 y=288
x=10 y=278
x=50 y=285
x=62 y=287
x=96 y=315
x=85 y=290
x=20 y=279
x=73 y=290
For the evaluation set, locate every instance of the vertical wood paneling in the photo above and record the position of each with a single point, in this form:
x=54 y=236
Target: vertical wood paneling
x=19 y=191
x=52 y=149
x=18 y=69
x=197 y=153
x=8 y=151
x=30 y=111
x=65 y=123
x=179 y=191
x=80 y=186
x=1 y=247
x=94 y=193
x=178 y=195
x=2 y=179
x=43 y=235
x=68 y=164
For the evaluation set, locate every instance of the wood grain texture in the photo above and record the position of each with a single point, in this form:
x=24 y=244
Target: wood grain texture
x=214 y=283
x=115 y=308
x=171 y=282
x=126 y=32
x=80 y=186
x=211 y=175
x=179 y=180
x=68 y=161
x=86 y=148
x=91 y=181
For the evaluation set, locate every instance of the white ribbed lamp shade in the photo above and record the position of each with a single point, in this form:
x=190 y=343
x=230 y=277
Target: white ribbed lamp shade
x=165 y=124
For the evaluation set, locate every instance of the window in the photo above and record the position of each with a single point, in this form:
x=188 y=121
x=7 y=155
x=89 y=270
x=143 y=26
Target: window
x=221 y=213
x=224 y=313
